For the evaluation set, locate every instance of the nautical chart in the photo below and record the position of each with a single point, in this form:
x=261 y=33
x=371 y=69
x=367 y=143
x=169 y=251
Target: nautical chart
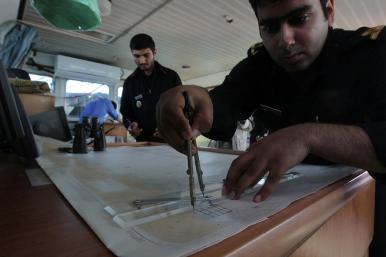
x=136 y=199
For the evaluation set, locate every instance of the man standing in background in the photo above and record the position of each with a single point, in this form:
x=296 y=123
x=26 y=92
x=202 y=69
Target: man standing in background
x=143 y=88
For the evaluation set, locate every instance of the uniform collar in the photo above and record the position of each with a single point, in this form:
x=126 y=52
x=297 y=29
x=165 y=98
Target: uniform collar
x=158 y=69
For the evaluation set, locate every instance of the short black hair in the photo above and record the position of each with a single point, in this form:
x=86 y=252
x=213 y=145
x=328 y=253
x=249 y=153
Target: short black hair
x=114 y=104
x=142 y=41
x=255 y=3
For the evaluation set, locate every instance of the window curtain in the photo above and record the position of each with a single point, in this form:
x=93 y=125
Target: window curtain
x=16 y=41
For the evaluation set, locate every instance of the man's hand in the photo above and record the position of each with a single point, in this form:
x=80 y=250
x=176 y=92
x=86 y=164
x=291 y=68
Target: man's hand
x=275 y=154
x=157 y=134
x=282 y=150
x=134 y=129
x=171 y=122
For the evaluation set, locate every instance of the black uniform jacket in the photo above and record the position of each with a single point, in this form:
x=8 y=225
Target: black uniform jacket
x=345 y=85
x=140 y=95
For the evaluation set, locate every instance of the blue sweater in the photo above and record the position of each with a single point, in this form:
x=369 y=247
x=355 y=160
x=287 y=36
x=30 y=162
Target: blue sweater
x=99 y=108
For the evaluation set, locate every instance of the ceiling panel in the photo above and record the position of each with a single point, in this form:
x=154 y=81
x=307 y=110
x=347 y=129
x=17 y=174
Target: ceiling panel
x=351 y=14
x=194 y=33
x=187 y=32
x=125 y=14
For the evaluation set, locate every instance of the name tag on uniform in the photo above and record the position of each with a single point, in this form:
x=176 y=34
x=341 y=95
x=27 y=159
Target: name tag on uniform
x=138 y=97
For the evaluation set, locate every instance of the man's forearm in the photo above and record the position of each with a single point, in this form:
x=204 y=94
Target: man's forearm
x=126 y=121
x=349 y=145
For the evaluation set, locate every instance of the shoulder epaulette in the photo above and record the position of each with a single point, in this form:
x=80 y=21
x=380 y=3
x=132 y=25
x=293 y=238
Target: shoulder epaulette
x=347 y=40
x=255 y=49
x=375 y=33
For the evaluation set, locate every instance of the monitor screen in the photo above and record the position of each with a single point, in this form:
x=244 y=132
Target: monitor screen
x=52 y=123
x=15 y=130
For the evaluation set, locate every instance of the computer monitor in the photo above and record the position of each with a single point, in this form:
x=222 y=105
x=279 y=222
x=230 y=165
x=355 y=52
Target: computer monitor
x=52 y=123
x=15 y=130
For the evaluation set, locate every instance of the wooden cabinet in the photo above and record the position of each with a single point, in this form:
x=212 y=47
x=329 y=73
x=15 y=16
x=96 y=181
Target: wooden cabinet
x=37 y=103
x=117 y=130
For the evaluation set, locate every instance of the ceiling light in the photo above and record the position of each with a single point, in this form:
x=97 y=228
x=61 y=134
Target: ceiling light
x=227 y=18
x=69 y=14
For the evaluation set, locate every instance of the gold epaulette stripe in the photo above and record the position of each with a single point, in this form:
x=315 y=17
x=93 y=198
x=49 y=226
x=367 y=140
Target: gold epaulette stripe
x=373 y=33
x=255 y=48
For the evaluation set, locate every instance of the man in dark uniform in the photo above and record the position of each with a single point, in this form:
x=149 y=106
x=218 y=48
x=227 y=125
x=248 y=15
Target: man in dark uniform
x=321 y=92
x=143 y=88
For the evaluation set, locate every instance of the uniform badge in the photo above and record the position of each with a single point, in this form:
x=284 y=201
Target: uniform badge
x=138 y=104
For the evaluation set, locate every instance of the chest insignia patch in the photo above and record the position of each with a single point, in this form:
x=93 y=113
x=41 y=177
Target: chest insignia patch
x=138 y=104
